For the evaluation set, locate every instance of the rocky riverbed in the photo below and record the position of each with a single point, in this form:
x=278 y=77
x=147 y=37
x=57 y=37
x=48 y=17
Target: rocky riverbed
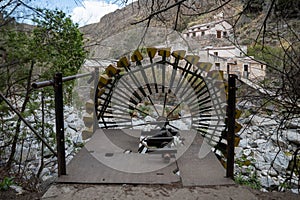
x=28 y=157
x=264 y=154
x=265 y=151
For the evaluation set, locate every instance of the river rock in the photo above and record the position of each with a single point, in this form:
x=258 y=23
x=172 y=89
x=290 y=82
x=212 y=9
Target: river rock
x=271 y=172
x=179 y=124
x=247 y=152
x=260 y=162
x=246 y=105
x=149 y=119
x=238 y=151
x=77 y=140
x=293 y=124
x=71 y=118
x=73 y=125
x=245 y=170
x=45 y=172
x=28 y=154
x=261 y=141
x=70 y=132
x=292 y=135
x=296 y=191
x=278 y=140
x=262 y=121
x=261 y=165
x=266 y=181
x=244 y=143
x=48 y=179
x=280 y=160
x=246 y=120
x=255 y=135
x=264 y=146
x=254 y=128
x=19 y=190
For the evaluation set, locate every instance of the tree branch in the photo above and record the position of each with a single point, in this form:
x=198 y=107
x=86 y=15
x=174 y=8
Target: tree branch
x=158 y=12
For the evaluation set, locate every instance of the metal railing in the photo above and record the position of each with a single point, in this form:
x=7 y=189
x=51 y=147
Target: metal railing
x=57 y=84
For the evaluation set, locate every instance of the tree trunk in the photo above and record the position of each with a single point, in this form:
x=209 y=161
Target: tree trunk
x=18 y=127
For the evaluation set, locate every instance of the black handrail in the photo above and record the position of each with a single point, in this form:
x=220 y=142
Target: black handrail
x=57 y=83
x=42 y=84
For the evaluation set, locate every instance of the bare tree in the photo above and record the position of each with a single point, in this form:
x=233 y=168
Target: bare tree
x=24 y=51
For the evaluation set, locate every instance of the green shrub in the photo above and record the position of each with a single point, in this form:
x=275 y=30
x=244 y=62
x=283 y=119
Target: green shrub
x=251 y=181
x=5 y=183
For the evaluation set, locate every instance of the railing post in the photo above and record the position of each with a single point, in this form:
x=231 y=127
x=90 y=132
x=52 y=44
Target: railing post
x=59 y=120
x=231 y=125
x=96 y=78
x=57 y=83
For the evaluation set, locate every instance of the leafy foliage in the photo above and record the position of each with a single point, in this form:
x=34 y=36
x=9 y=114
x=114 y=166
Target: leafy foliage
x=253 y=6
x=5 y=183
x=58 y=43
x=287 y=8
x=54 y=44
x=272 y=56
x=251 y=181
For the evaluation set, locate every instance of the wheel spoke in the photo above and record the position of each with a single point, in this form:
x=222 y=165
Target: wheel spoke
x=153 y=105
x=165 y=101
x=162 y=94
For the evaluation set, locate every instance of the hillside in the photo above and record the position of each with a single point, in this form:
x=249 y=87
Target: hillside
x=123 y=19
x=247 y=27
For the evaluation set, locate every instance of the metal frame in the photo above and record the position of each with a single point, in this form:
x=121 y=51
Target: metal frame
x=231 y=125
x=57 y=83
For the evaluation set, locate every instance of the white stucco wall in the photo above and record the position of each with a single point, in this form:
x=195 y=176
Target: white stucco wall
x=209 y=29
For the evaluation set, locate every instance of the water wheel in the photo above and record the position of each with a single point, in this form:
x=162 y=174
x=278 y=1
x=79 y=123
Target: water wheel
x=164 y=90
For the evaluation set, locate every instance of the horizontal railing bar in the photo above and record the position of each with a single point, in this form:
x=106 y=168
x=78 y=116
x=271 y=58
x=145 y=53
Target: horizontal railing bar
x=69 y=78
x=42 y=84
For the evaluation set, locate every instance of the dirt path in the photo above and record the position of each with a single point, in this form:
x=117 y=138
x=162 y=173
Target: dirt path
x=150 y=192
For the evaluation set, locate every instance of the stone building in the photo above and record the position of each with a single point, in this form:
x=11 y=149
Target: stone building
x=233 y=60
x=217 y=29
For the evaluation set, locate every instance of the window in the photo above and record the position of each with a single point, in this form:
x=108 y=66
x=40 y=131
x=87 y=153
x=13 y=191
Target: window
x=219 y=34
x=228 y=68
x=262 y=67
x=246 y=71
x=202 y=33
x=224 y=34
x=194 y=34
x=216 y=53
x=217 y=66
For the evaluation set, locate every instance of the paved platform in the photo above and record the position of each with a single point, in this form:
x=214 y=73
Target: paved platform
x=104 y=160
